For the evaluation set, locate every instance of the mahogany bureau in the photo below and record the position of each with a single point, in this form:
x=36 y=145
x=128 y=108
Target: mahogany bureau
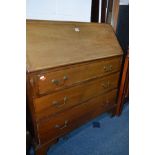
x=72 y=76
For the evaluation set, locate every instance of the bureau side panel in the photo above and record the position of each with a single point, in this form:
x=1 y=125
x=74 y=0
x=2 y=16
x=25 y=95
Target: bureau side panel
x=30 y=105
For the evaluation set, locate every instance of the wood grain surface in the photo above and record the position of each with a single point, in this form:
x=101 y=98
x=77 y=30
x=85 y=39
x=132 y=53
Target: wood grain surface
x=68 y=120
x=75 y=75
x=52 y=44
x=62 y=100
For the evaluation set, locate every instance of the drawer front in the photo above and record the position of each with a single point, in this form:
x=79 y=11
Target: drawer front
x=70 y=119
x=62 y=100
x=55 y=80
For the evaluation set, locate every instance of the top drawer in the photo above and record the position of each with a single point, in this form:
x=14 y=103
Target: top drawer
x=55 y=80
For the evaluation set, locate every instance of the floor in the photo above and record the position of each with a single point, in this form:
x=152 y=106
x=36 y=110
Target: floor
x=102 y=136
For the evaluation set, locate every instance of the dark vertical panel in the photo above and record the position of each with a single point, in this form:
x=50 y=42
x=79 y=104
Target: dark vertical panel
x=110 y=5
x=95 y=11
x=122 y=31
x=109 y=10
x=103 y=11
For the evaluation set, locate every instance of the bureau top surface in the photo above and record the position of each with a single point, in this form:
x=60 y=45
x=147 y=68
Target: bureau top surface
x=51 y=44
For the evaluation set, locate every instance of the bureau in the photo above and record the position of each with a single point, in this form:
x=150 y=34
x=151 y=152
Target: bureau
x=72 y=75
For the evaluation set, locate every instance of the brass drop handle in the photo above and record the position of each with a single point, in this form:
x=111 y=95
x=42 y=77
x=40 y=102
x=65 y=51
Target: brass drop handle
x=106 y=102
x=58 y=105
x=57 y=82
x=63 y=126
x=108 y=68
x=105 y=86
x=65 y=78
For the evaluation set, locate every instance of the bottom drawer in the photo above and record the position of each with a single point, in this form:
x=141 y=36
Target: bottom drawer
x=72 y=118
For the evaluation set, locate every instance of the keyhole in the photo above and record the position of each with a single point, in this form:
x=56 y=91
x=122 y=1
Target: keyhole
x=77 y=29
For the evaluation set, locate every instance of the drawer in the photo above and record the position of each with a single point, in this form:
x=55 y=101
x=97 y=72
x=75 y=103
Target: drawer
x=67 y=98
x=67 y=76
x=70 y=119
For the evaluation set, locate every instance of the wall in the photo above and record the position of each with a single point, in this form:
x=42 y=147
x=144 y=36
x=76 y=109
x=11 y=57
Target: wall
x=68 y=10
x=124 y=2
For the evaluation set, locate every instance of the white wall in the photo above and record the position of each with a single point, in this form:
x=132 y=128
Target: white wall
x=67 y=10
x=124 y=2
